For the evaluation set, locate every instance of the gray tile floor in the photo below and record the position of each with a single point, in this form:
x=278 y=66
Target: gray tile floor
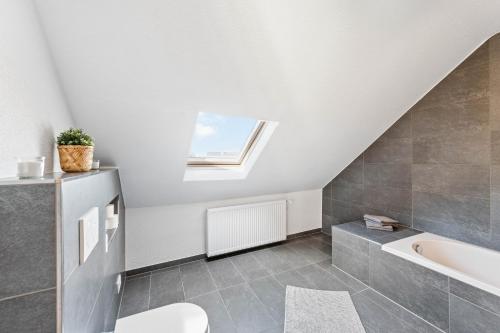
x=246 y=292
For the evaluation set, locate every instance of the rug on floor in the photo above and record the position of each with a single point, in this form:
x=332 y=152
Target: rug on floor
x=318 y=311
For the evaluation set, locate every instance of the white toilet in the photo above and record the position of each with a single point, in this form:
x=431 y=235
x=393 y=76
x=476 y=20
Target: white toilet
x=175 y=318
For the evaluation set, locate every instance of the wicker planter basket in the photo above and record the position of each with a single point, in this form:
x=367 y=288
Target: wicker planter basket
x=76 y=158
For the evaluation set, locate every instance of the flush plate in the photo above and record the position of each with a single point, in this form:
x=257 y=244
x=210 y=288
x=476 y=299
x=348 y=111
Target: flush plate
x=89 y=233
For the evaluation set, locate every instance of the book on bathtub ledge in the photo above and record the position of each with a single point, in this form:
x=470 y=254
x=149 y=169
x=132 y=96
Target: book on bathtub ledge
x=383 y=223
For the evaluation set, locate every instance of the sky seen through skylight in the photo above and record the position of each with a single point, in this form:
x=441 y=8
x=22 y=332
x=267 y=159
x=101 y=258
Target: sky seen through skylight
x=219 y=135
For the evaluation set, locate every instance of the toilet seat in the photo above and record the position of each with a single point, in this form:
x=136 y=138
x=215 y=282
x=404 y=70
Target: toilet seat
x=175 y=318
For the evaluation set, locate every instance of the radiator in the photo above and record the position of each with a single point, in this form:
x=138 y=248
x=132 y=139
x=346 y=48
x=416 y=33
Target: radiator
x=236 y=228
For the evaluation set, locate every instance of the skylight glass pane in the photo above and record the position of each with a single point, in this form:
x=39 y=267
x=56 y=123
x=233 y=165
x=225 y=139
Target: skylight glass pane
x=219 y=137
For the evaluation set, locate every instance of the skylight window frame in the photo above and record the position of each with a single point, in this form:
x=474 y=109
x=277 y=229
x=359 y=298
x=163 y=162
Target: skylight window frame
x=246 y=152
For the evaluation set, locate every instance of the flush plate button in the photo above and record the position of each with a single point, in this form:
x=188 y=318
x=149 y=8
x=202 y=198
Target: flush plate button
x=89 y=233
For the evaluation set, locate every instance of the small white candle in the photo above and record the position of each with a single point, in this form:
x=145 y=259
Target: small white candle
x=30 y=168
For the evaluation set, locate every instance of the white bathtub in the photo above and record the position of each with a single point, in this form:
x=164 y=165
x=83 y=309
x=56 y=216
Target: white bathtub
x=474 y=265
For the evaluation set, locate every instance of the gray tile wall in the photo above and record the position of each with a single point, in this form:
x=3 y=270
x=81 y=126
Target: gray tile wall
x=445 y=303
x=27 y=258
x=28 y=255
x=437 y=168
x=90 y=298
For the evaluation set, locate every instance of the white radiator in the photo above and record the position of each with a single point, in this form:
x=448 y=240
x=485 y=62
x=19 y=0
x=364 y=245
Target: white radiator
x=240 y=227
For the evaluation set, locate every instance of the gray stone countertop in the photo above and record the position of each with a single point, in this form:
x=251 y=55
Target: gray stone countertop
x=50 y=178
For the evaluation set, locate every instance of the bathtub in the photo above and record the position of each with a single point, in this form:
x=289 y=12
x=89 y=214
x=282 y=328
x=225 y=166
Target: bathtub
x=471 y=264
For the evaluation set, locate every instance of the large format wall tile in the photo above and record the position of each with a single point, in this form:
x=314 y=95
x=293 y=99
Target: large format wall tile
x=345 y=211
x=379 y=314
x=495 y=204
x=386 y=150
x=420 y=290
x=452 y=148
x=452 y=179
x=401 y=128
x=352 y=173
x=350 y=253
x=466 y=317
x=89 y=288
x=31 y=313
x=27 y=239
x=347 y=192
x=392 y=175
x=431 y=169
x=474 y=295
x=79 y=196
x=465 y=212
x=388 y=198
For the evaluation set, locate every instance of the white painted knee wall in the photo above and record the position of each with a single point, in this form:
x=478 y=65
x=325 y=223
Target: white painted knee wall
x=159 y=234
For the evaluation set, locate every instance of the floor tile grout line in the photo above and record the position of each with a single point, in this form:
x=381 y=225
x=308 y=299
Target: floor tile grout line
x=218 y=292
x=336 y=278
x=226 y=308
x=262 y=303
x=359 y=291
x=300 y=254
x=251 y=289
x=260 y=262
x=250 y=251
x=241 y=274
x=236 y=269
x=355 y=278
x=211 y=276
x=310 y=247
x=221 y=289
x=205 y=263
x=310 y=262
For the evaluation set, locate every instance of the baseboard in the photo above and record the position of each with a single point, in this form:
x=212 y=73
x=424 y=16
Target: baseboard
x=147 y=269
x=304 y=233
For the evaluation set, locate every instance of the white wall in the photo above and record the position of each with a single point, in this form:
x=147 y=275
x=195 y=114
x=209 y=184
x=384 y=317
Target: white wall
x=32 y=104
x=334 y=74
x=159 y=234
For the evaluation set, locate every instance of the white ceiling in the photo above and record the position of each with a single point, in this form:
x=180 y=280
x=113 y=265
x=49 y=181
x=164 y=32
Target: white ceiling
x=335 y=74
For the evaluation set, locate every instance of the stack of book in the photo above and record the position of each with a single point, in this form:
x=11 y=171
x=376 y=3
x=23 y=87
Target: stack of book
x=380 y=222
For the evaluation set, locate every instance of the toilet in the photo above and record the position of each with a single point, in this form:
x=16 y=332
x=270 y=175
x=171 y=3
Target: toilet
x=176 y=318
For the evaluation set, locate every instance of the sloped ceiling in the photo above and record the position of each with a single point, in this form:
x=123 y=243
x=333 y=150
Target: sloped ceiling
x=335 y=74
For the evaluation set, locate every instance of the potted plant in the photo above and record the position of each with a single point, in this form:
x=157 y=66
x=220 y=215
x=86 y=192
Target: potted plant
x=76 y=150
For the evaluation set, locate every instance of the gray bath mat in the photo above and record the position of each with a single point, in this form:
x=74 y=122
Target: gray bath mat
x=317 y=311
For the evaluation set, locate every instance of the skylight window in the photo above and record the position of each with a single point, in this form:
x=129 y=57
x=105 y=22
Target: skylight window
x=223 y=140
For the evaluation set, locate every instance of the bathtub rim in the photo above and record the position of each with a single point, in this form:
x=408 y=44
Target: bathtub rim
x=403 y=248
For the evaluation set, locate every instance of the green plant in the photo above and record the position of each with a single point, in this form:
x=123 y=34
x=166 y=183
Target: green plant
x=76 y=137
